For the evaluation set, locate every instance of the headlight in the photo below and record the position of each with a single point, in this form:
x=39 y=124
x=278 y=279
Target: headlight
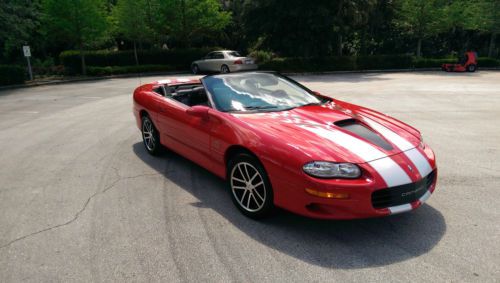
x=324 y=169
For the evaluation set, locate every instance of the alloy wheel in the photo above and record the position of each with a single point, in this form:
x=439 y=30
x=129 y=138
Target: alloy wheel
x=148 y=134
x=195 y=69
x=248 y=187
x=224 y=69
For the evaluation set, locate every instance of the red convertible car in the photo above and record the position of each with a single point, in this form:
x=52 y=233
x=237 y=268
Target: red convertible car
x=280 y=144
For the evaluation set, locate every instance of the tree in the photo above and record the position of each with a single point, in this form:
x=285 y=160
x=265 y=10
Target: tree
x=133 y=21
x=420 y=18
x=19 y=20
x=186 y=20
x=291 y=28
x=81 y=23
x=351 y=15
x=378 y=34
x=490 y=21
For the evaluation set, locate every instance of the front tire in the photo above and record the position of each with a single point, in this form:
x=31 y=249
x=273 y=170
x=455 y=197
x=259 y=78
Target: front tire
x=224 y=69
x=150 y=136
x=250 y=188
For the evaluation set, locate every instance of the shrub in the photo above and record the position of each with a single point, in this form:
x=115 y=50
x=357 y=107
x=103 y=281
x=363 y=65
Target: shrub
x=298 y=64
x=178 y=59
x=431 y=62
x=10 y=75
x=487 y=62
x=261 y=56
x=382 y=62
x=116 y=70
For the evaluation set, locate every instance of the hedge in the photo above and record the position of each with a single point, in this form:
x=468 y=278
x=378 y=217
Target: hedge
x=115 y=70
x=431 y=63
x=178 y=59
x=298 y=64
x=343 y=63
x=373 y=62
x=378 y=62
x=487 y=62
x=10 y=75
x=107 y=62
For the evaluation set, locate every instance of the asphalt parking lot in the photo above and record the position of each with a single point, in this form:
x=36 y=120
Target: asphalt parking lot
x=81 y=200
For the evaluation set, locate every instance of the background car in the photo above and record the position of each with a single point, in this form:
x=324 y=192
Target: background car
x=278 y=143
x=223 y=61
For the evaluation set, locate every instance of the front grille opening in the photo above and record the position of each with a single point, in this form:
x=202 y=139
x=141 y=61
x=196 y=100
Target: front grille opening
x=355 y=127
x=402 y=194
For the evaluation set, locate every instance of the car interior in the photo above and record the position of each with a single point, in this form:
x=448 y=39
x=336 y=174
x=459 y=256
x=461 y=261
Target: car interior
x=190 y=95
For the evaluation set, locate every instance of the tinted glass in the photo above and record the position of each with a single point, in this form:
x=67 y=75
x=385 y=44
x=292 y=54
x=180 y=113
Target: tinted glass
x=218 y=55
x=257 y=92
x=234 y=54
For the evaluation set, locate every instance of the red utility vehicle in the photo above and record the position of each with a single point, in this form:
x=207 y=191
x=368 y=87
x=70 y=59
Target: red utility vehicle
x=467 y=63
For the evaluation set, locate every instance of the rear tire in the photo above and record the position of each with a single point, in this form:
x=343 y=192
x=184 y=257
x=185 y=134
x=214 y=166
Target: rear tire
x=150 y=137
x=471 y=68
x=224 y=69
x=249 y=186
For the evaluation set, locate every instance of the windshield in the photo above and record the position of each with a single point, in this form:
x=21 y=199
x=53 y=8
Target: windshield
x=254 y=92
x=234 y=54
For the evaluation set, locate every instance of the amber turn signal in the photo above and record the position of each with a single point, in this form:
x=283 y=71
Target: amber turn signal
x=327 y=194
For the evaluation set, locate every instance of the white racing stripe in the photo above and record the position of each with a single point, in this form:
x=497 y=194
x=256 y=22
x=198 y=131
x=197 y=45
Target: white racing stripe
x=425 y=197
x=362 y=149
x=396 y=139
x=422 y=164
x=390 y=171
x=400 y=208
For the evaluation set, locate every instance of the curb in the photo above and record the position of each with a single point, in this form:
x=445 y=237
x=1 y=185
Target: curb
x=136 y=75
x=380 y=71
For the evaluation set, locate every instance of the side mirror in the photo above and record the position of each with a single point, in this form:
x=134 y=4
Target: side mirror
x=198 y=111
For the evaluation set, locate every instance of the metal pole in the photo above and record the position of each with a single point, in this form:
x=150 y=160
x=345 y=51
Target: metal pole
x=29 y=68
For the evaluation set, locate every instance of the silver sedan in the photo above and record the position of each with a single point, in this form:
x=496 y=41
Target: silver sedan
x=224 y=61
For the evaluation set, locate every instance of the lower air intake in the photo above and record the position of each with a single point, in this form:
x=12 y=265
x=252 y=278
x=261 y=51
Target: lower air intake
x=402 y=194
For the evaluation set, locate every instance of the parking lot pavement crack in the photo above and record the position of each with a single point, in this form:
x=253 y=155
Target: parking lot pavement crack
x=77 y=215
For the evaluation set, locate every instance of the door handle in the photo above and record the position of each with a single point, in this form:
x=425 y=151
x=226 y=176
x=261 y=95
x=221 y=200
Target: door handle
x=162 y=110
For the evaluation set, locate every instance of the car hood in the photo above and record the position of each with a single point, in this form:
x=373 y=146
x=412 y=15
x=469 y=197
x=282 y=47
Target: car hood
x=334 y=132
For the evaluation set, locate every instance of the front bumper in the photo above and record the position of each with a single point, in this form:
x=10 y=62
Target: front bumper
x=369 y=196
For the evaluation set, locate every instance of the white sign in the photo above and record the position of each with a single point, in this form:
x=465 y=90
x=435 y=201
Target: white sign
x=26 y=51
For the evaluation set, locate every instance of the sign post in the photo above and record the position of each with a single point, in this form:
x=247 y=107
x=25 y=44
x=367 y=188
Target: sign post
x=27 y=54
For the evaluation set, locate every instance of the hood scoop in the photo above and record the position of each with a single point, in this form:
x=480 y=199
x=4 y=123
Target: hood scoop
x=355 y=127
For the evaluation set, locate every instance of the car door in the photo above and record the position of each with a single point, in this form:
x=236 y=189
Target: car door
x=183 y=133
x=203 y=64
x=217 y=61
